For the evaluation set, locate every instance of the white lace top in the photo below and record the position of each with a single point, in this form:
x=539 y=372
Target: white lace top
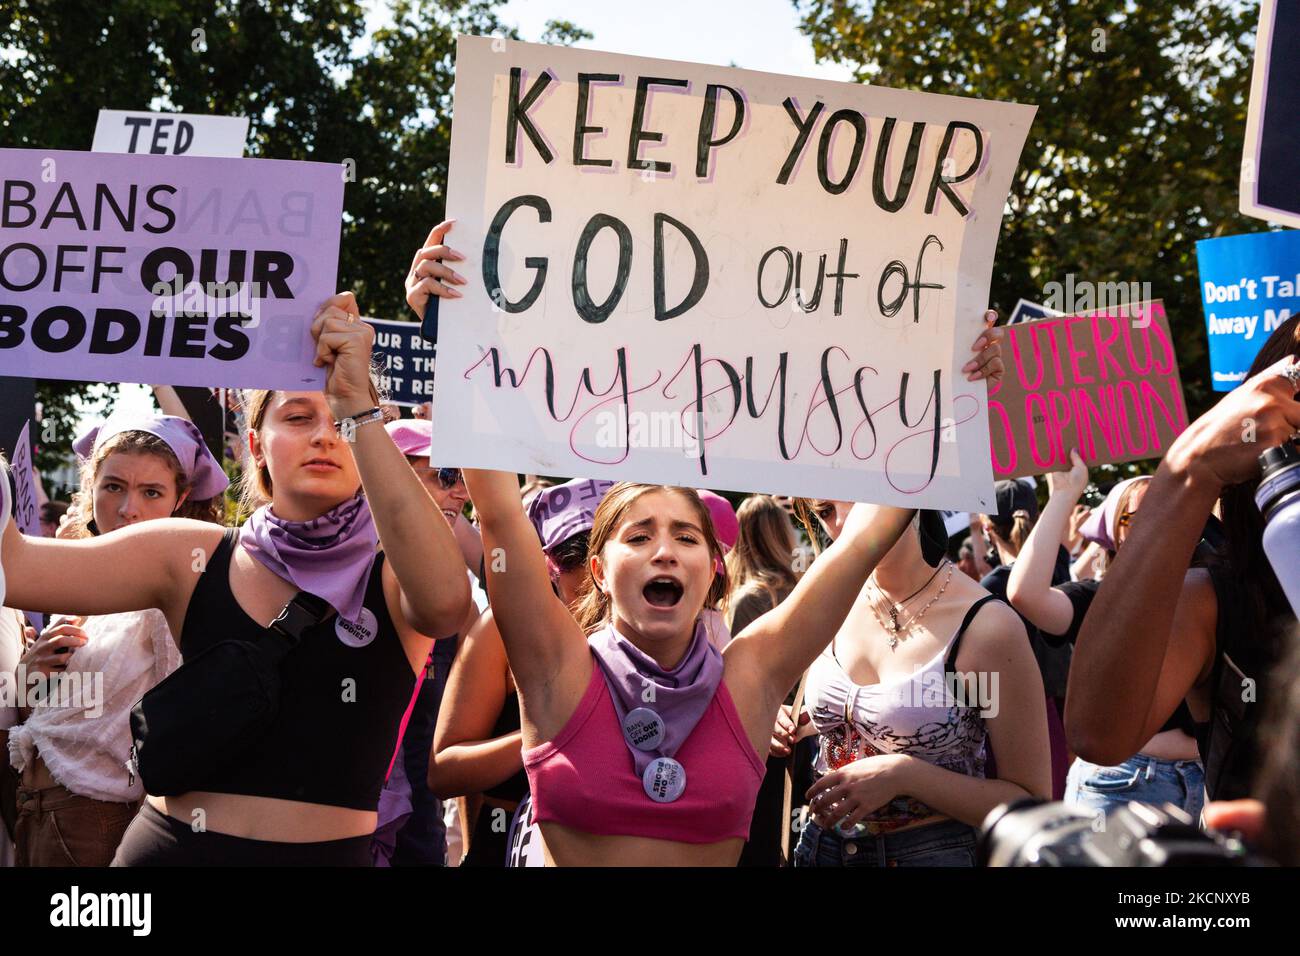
x=86 y=742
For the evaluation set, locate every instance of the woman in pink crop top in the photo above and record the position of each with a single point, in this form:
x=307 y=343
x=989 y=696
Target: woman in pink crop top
x=629 y=762
x=903 y=743
x=641 y=742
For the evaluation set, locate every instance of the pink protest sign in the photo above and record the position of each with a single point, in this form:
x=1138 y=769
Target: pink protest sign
x=1105 y=383
x=167 y=270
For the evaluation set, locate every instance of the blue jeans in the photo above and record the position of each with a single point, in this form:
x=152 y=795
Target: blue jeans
x=1141 y=778
x=937 y=844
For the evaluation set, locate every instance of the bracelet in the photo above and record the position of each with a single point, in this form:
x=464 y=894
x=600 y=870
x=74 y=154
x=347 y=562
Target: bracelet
x=351 y=423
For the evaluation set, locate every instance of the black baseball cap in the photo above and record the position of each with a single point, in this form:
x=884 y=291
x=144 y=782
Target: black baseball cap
x=1013 y=496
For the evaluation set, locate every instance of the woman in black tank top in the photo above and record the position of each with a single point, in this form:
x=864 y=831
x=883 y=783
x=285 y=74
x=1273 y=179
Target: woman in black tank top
x=308 y=792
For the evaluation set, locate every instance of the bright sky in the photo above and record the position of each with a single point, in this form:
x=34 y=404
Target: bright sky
x=753 y=34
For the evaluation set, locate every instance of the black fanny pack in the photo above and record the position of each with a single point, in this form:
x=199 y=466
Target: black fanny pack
x=211 y=709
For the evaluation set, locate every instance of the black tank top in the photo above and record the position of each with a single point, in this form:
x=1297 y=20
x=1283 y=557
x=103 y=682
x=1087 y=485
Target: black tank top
x=340 y=705
x=513 y=789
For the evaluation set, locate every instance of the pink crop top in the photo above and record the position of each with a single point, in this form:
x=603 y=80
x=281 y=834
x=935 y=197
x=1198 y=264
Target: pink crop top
x=585 y=778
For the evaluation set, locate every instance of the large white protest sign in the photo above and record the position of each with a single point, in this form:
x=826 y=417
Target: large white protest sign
x=170 y=134
x=714 y=277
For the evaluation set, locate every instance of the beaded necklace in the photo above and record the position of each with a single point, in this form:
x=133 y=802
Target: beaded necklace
x=892 y=626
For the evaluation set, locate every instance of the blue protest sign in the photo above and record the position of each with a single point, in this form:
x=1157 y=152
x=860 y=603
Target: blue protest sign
x=1249 y=286
x=406 y=361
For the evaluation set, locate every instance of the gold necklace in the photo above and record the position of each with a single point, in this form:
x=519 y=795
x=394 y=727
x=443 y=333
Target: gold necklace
x=892 y=627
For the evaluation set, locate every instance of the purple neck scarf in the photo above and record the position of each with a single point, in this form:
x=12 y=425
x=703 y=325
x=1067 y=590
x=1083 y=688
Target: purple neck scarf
x=330 y=556
x=679 y=697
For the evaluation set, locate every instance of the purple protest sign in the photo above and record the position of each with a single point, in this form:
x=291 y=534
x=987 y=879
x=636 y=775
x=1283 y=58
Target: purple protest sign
x=165 y=270
x=26 y=511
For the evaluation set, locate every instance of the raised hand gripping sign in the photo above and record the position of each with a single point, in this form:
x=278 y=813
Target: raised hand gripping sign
x=165 y=270
x=696 y=275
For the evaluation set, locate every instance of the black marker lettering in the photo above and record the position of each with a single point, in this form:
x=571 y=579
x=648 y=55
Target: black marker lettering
x=492 y=255
x=517 y=115
x=159 y=144
x=638 y=133
x=580 y=128
x=582 y=302
x=938 y=181
x=136 y=123
x=789 y=275
x=700 y=281
x=935 y=401
x=704 y=144
x=805 y=128
x=859 y=124
x=905 y=176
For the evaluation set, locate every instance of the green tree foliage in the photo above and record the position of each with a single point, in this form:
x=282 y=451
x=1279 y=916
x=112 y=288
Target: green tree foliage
x=317 y=80
x=1136 y=148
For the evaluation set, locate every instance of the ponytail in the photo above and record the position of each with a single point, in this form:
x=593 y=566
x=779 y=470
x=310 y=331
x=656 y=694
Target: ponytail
x=1021 y=526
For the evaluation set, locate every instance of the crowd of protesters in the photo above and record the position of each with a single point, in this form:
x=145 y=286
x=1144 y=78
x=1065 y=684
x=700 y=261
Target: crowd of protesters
x=488 y=669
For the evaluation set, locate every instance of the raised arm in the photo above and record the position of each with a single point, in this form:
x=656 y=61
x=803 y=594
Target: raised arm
x=1029 y=589
x=151 y=564
x=1124 y=647
x=779 y=645
x=417 y=541
x=1085 y=568
x=466 y=759
x=541 y=639
x=471 y=543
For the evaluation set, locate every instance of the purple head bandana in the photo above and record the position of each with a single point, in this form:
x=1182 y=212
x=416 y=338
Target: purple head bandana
x=1099 y=526
x=183 y=437
x=561 y=511
x=330 y=556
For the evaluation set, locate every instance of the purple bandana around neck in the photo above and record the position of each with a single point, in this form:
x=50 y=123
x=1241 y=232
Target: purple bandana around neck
x=681 y=696
x=330 y=556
